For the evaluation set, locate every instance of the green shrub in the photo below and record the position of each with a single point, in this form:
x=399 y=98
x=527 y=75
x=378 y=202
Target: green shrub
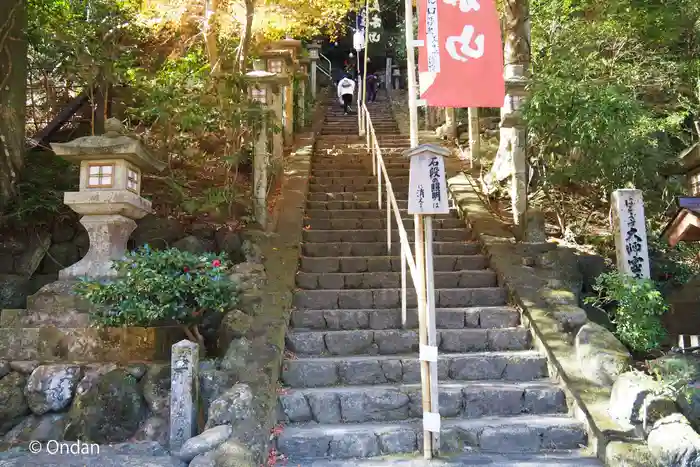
x=162 y=287
x=639 y=306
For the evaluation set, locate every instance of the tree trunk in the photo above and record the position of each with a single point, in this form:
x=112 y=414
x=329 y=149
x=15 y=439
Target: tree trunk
x=247 y=34
x=211 y=34
x=13 y=92
x=513 y=144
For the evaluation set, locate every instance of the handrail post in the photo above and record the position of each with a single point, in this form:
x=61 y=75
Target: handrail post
x=404 y=319
x=388 y=222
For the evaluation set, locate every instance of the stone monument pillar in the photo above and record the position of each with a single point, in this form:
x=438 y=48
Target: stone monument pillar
x=630 y=231
x=111 y=167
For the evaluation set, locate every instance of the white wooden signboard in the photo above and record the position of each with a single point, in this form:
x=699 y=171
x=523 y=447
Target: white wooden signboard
x=427 y=183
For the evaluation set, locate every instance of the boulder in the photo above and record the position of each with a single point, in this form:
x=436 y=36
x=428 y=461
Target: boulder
x=191 y=244
x=24 y=366
x=233 y=406
x=60 y=256
x=534 y=229
x=251 y=279
x=638 y=401
x=233 y=453
x=673 y=442
x=38 y=427
x=251 y=252
x=682 y=368
x=158 y=232
x=110 y=411
x=50 y=388
x=4 y=368
x=212 y=384
x=92 y=374
x=234 y=325
x=237 y=357
x=14 y=289
x=62 y=232
x=154 y=428
x=156 y=389
x=36 y=247
x=601 y=356
x=591 y=266
x=231 y=243
x=204 y=442
x=203 y=460
x=13 y=404
x=570 y=317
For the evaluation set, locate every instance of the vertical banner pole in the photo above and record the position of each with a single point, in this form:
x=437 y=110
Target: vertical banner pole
x=422 y=329
x=431 y=324
x=411 y=73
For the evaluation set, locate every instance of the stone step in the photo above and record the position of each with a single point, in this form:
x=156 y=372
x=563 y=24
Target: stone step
x=400 y=190
x=516 y=434
x=386 y=264
x=356 y=181
x=442 y=223
x=525 y=365
x=349 y=213
x=496 y=317
x=367 y=171
x=379 y=248
x=402 y=341
x=391 y=280
x=368 y=235
x=341 y=165
x=360 y=205
x=386 y=403
x=544 y=458
x=391 y=298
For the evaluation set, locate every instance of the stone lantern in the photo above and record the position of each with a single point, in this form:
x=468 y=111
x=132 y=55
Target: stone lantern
x=109 y=198
x=281 y=63
x=314 y=54
x=265 y=88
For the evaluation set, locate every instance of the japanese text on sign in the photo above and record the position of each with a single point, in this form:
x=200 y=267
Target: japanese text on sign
x=427 y=185
x=432 y=39
x=633 y=242
x=461 y=61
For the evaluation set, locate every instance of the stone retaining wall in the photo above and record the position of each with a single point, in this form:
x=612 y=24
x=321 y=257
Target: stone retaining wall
x=542 y=282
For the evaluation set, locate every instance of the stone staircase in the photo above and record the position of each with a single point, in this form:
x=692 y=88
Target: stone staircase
x=352 y=373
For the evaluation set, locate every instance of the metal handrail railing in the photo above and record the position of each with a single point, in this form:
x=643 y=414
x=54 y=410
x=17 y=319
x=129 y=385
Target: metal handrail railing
x=328 y=73
x=380 y=171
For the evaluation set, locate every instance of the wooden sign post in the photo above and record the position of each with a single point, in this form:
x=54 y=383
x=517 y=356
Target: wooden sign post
x=427 y=196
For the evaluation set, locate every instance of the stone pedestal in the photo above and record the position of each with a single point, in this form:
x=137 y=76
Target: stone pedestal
x=108 y=237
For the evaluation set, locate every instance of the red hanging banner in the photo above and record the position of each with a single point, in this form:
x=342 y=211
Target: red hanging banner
x=461 y=60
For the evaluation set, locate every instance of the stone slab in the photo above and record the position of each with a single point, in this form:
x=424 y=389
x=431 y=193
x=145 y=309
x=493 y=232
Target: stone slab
x=88 y=344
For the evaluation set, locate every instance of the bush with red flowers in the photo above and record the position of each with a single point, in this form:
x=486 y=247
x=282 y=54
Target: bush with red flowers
x=155 y=288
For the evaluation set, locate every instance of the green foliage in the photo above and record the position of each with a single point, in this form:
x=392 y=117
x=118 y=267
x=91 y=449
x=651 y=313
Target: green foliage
x=161 y=287
x=639 y=307
x=43 y=181
x=611 y=84
x=206 y=118
x=84 y=40
x=675 y=373
x=672 y=267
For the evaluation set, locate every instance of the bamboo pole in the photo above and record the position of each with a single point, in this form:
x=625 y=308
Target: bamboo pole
x=431 y=323
x=422 y=328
